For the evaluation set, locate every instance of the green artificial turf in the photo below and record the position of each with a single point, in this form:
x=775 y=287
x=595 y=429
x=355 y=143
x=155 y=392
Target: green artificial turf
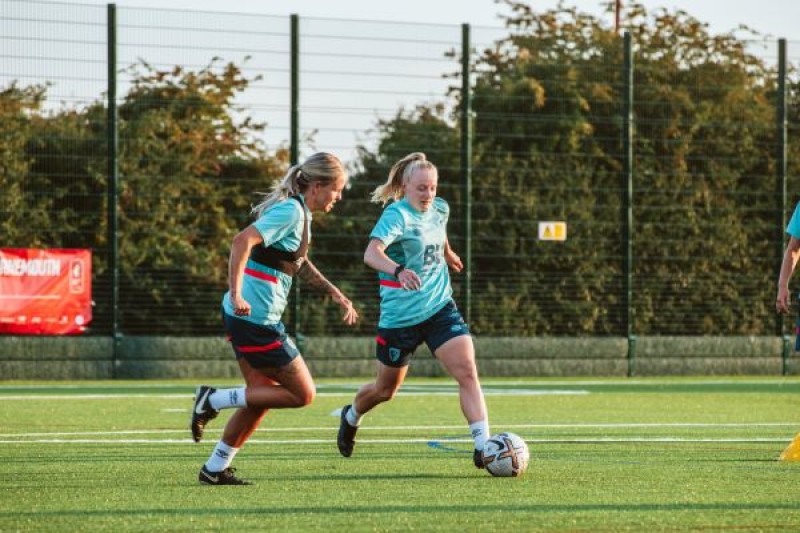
x=607 y=455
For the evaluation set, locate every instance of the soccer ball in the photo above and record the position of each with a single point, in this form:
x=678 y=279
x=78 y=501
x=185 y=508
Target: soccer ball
x=506 y=455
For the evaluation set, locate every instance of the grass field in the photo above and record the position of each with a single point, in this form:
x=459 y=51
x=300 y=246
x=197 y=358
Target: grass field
x=607 y=455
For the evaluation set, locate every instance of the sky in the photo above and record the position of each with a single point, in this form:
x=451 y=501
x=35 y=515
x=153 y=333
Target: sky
x=777 y=18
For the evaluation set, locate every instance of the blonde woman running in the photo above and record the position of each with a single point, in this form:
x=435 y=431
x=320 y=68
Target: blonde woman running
x=264 y=259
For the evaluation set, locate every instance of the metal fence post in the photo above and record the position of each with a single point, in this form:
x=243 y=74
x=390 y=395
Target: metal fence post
x=112 y=140
x=780 y=181
x=466 y=166
x=627 y=202
x=294 y=148
x=294 y=155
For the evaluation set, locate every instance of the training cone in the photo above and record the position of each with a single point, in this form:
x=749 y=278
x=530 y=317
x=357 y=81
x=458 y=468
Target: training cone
x=792 y=452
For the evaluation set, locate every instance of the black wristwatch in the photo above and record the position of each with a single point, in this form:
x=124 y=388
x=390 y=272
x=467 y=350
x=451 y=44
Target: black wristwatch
x=399 y=269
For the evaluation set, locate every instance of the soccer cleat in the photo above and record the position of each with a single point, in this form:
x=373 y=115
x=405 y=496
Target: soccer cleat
x=477 y=458
x=346 y=439
x=226 y=477
x=202 y=412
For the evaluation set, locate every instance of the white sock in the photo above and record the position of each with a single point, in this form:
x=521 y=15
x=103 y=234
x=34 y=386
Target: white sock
x=353 y=417
x=480 y=433
x=227 y=398
x=221 y=458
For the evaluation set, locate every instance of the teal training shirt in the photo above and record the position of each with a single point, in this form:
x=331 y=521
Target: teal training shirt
x=414 y=239
x=264 y=288
x=793 y=228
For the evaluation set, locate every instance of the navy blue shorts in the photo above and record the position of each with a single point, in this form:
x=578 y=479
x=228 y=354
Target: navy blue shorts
x=261 y=346
x=395 y=346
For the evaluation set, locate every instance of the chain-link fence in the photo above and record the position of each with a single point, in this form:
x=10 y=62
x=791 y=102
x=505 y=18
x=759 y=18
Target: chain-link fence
x=144 y=135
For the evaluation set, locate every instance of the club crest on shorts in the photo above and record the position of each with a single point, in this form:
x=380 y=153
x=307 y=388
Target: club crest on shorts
x=394 y=354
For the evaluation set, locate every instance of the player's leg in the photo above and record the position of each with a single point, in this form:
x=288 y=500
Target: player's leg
x=393 y=353
x=293 y=387
x=268 y=351
x=287 y=386
x=275 y=375
x=387 y=383
x=447 y=336
x=457 y=356
x=240 y=426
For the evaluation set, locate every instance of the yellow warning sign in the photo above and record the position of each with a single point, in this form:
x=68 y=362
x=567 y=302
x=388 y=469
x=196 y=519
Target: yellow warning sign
x=552 y=231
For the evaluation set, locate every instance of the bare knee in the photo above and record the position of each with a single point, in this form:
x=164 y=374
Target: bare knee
x=305 y=396
x=384 y=394
x=467 y=377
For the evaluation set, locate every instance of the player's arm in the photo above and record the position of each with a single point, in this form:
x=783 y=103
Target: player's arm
x=451 y=258
x=243 y=242
x=790 y=257
x=375 y=257
x=311 y=275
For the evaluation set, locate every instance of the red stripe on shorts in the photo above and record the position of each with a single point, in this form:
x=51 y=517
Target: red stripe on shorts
x=262 y=348
x=261 y=275
x=390 y=283
x=380 y=340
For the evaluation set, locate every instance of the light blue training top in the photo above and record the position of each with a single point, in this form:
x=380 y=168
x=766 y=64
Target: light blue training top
x=264 y=288
x=793 y=228
x=414 y=239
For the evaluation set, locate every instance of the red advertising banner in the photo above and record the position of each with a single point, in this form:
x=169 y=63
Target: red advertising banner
x=45 y=292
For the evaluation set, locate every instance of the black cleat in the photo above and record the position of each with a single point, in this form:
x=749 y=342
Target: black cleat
x=202 y=412
x=477 y=458
x=225 y=477
x=347 y=434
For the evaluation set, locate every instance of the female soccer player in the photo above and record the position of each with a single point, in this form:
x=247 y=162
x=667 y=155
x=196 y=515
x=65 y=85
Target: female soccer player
x=409 y=249
x=790 y=257
x=264 y=258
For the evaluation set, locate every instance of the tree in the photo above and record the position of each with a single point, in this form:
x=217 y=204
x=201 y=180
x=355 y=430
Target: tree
x=188 y=173
x=188 y=170
x=18 y=106
x=548 y=108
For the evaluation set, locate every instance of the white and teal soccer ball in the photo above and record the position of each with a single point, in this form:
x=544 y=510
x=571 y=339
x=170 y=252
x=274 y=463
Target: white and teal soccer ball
x=506 y=455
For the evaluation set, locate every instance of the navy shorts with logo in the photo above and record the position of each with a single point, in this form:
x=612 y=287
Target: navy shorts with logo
x=395 y=346
x=261 y=346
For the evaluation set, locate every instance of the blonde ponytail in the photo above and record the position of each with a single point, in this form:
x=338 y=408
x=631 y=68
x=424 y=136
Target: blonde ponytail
x=399 y=175
x=321 y=167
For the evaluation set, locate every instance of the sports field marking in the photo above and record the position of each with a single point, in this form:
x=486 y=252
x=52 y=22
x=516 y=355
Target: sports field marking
x=488 y=383
x=430 y=428
x=330 y=441
x=454 y=392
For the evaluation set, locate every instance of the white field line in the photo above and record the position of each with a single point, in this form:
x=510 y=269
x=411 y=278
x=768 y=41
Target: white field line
x=430 y=428
x=329 y=441
x=111 y=396
x=487 y=383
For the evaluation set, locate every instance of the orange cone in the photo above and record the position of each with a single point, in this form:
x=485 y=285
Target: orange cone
x=792 y=453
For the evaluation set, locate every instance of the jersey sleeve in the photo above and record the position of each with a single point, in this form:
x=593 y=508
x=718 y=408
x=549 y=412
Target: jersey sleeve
x=793 y=228
x=279 y=222
x=443 y=208
x=389 y=227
